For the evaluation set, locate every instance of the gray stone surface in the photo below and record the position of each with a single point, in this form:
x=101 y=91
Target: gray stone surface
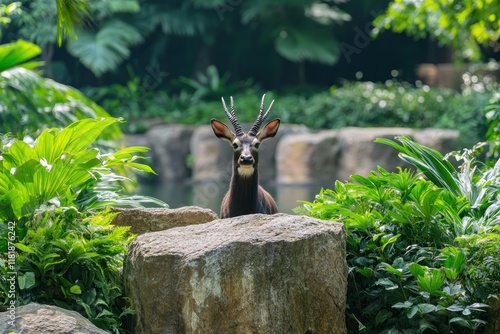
x=250 y=274
x=169 y=149
x=142 y=220
x=212 y=157
x=326 y=156
x=360 y=154
x=308 y=158
x=46 y=319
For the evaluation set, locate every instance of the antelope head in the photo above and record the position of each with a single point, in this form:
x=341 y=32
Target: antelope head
x=246 y=145
x=245 y=195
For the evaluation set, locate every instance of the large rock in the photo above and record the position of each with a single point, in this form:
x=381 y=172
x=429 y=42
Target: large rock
x=44 y=319
x=142 y=220
x=169 y=149
x=250 y=274
x=269 y=150
x=212 y=157
x=360 y=154
x=308 y=158
x=323 y=157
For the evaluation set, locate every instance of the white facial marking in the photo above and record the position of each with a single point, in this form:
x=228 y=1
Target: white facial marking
x=245 y=171
x=236 y=144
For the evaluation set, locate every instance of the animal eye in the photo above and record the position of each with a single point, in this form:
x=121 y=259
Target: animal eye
x=235 y=146
x=256 y=145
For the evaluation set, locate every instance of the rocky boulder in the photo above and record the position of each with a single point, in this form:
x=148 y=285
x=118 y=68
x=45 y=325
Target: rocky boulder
x=360 y=154
x=169 y=148
x=326 y=156
x=212 y=157
x=307 y=158
x=142 y=220
x=44 y=319
x=250 y=274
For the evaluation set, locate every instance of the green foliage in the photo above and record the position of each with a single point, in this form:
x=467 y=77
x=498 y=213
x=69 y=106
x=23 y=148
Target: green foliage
x=74 y=263
x=29 y=103
x=70 y=14
x=492 y=114
x=7 y=10
x=211 y=86
x=300 y=30
x=465 y=25
x=18 y=54
x=363 y=104
x=55 y=192
x=419 y=251
x=105 y=49
x=62 y=165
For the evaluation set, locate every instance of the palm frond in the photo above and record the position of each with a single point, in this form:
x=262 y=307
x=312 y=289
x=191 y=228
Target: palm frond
x=70 y=14
x=104 y=50
x=430 y=162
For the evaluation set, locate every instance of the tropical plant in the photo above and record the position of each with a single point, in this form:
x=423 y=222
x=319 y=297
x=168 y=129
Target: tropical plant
x=54 y=195
x=418 y=249
x=211 y=86
x=464 y=25
x=300 y=31
x=31 y=103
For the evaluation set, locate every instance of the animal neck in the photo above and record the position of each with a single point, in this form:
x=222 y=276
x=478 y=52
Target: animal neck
x=244 y=188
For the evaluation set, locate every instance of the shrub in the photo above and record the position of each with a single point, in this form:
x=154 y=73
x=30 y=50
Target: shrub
x=363 y=104
x=53 y=199
x=418 y=249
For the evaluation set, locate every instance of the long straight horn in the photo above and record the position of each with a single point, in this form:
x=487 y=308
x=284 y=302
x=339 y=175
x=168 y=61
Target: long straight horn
x=232 y=117
x=258 y=122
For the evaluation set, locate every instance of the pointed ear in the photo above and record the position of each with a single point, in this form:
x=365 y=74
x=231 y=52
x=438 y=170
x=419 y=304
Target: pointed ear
x=221 y=130
x=269 y=130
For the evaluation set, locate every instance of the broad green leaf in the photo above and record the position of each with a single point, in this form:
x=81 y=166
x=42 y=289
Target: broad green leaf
x=75 y=289
x=417 y=270
x=405 y=304
x=426 y=308
x=382 y=316
x=386 y=283
x=26 y=281
x=24 y=248
x=17 y=54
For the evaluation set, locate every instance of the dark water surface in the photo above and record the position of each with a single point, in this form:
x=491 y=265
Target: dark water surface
x=209 y=195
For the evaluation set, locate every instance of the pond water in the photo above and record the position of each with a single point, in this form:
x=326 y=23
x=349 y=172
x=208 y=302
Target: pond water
x=209 y=195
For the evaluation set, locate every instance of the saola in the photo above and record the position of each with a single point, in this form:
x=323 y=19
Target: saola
x=245 y=195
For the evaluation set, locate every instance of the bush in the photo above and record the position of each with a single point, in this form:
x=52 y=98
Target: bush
x=419 y=250
x=54 y=196
x=363 y=104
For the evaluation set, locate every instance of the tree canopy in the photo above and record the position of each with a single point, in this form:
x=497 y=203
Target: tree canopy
x=468 y=26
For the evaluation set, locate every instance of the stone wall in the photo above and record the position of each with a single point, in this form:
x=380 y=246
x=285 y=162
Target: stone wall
x=295 y=156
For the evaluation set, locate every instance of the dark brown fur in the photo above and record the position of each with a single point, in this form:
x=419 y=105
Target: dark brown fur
x=245 y=195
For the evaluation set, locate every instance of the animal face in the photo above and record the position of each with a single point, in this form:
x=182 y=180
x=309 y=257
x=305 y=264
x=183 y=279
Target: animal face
x=245 y=147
